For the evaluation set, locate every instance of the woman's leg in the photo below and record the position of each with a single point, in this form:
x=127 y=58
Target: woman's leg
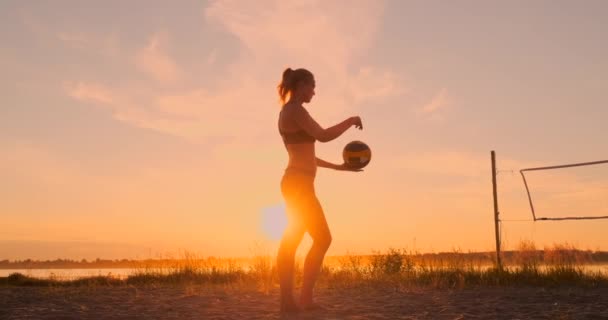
x=293 y=187
x=285 y=264
x=319 y=231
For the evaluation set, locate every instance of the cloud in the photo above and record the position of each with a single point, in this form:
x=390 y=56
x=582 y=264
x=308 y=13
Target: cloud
x=90 y=92
x=107 y=45
x=437 y=103
x=156 y=62
x=220 y=113
x=321 y=31
x=192 y=115
x=124 y=109
x=319 y=35
x=371 y=83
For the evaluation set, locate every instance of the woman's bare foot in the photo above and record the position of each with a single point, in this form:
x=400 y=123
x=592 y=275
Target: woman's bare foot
x=312 y=306
x=289 y=306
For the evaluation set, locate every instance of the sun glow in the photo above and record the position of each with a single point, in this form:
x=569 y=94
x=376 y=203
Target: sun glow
x=274 y=221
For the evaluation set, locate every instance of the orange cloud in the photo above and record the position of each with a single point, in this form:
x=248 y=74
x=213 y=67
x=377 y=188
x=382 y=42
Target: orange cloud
x=90 y=92
x=438 y=102
x=156 y=62
x=371 y=83
x=244 y=97
x=318 y=35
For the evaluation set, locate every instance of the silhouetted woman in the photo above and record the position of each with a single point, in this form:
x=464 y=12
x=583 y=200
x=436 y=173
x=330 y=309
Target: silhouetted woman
x=299 y=132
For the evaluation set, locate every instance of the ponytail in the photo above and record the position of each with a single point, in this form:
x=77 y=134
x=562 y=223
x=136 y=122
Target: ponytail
x=290 y=80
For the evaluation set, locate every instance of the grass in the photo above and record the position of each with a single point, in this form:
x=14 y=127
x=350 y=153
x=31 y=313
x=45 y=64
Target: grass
x=559 y=265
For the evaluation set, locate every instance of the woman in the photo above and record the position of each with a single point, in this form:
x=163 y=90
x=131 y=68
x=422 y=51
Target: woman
x=299 y=132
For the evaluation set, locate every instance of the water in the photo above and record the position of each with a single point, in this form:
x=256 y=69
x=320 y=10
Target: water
x=122 y=273
x=69 y=274
x=603 y=268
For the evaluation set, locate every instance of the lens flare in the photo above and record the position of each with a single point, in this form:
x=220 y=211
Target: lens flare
x=274 y=221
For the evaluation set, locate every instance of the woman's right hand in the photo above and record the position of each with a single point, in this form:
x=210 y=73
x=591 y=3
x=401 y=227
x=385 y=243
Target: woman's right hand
x=356 y=121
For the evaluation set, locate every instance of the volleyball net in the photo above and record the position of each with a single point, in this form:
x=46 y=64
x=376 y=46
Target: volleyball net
x=576 y=191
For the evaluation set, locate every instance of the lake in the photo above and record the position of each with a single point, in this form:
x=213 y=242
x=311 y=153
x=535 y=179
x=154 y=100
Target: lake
x=68 y=274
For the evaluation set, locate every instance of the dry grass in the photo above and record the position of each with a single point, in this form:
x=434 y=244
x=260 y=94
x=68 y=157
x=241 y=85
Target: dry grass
x=554 y=266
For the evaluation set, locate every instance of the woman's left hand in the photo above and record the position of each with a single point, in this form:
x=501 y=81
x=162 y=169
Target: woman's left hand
x=345 y=167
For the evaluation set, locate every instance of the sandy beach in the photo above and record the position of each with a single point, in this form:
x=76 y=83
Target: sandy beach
x=208 y=302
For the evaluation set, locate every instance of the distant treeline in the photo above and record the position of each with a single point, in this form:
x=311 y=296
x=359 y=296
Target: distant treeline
x=69 y=264
x=474 y=257
x=117 y=263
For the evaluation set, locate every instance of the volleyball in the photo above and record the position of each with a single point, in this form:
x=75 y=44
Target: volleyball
x=356 y=154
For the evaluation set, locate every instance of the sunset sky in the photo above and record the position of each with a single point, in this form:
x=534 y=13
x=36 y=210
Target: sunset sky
x=135 y=128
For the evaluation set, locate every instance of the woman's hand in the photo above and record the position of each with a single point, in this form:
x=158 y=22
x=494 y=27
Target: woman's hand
x=341 y=167
x=345 y=167
x=356 y=121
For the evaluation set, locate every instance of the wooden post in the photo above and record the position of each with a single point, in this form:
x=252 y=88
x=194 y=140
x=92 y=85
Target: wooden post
x=496 y=221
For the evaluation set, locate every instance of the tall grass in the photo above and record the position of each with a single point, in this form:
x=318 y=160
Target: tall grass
x=561 y=264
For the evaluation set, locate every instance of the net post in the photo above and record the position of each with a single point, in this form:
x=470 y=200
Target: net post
x=496 y=220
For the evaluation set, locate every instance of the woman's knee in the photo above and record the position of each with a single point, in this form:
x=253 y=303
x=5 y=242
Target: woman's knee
x=323 y=241
x=289 y=245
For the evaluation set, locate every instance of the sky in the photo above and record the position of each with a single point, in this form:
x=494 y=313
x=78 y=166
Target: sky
x=146 y=128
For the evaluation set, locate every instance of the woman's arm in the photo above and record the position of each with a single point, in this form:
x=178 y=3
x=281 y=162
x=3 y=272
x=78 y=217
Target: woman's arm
x=332 y=133
x=324 y=164
x=342 y=167
x=308 y=124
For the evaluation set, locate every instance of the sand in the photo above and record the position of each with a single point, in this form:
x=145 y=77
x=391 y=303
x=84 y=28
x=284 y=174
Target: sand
x=204 y=302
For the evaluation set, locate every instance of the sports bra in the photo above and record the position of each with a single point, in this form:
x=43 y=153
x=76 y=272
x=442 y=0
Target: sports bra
x=299 y=136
